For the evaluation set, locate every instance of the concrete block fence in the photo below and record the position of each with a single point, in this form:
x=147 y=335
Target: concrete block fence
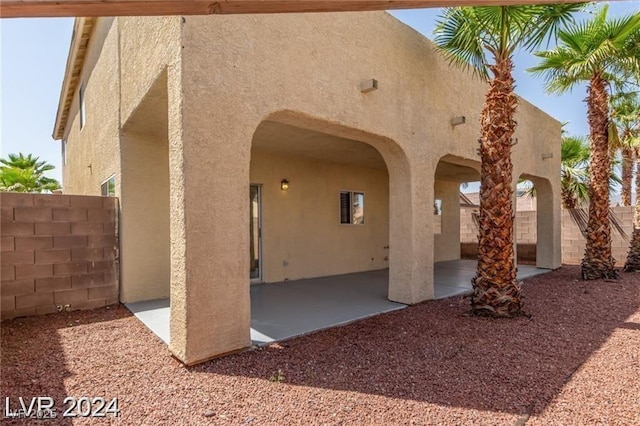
x=59 y=252
x=572 y=240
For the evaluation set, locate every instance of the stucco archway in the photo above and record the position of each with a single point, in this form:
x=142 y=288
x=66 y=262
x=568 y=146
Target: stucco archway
x=451 y=172
x=547 y=229
x=322 y=160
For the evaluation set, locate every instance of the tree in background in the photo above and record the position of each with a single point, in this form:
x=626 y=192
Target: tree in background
x=596 y=52
x=484 y=39
x=625 y=110
x=574 y=154
x=630 y=131
x=20 y=173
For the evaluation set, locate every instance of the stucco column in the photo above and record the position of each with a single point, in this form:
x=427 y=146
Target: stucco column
x=209 y=162
x=448 y=240
x=548 y=224
x=410 y=234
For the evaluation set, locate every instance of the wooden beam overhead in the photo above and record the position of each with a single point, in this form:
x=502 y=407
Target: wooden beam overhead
x=68 y=8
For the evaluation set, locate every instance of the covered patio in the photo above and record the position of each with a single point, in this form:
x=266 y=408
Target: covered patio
x=280 y=311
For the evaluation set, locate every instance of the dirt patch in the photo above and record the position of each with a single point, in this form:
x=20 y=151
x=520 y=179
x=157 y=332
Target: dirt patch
x=575 y=361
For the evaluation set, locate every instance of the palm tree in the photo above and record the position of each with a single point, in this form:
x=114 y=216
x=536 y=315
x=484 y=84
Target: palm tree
x=595 y=52
x=631 y=134
x=484 y=39
x=625 y=110
x=574 y=154
x=20 y=173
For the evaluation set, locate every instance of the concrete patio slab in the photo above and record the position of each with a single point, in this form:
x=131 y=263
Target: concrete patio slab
x=283 y=310
x=154 y=314
x=453 y=277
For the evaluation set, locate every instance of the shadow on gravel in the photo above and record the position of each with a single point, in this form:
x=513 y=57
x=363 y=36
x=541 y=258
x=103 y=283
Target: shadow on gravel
x=435 y=352
x=431 y=352
x=33 y=363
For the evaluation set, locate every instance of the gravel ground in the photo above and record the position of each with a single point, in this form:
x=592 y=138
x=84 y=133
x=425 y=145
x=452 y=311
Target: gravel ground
x=575 y=361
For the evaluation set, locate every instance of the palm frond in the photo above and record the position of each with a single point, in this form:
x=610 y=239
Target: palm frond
x=458 y=37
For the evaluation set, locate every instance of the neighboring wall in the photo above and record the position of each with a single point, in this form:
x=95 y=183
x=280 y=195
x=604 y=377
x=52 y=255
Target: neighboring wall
x=525 y=229
x=572 y=240
x=57 y=251
x=302 y=234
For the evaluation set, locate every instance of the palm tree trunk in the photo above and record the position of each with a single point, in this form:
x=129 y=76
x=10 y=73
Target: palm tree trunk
x=568 y=199
x=627 y=176
x=598 y=261
x=496 y=291
x=633 y=257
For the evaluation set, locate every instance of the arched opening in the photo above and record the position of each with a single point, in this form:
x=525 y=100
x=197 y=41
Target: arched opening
x=469 y=209
x=455 y=239
x=456 y=189
x=536 y=234
x=525 y=235
x=145 y=240
x=456 y=186
x=321 y=209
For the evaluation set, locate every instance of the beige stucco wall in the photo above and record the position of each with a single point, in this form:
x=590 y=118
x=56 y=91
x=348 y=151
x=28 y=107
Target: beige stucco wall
x=126 y=135
x=301 y=230
x=92 y=153
x=305 y=70
x=148 y=46
x=145 y=241
x=227 y=74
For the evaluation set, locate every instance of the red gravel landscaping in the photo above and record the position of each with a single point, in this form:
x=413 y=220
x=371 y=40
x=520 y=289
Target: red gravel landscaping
x=575 y=361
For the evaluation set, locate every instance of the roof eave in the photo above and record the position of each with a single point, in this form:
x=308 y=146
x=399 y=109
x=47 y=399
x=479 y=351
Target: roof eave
x=82 y=30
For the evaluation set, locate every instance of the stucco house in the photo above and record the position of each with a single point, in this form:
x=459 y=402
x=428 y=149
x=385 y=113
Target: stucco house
x=259 y=148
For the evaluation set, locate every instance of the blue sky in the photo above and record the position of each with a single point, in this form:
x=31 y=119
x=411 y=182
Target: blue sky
x=34 y=53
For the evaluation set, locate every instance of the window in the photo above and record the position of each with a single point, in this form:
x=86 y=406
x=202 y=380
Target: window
x=351 y=208
x=63 y=146
x=108 y=187
x=83 y=116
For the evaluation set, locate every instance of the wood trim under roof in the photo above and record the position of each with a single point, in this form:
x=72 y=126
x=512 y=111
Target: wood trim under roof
x=82 y=30
x=59 y=8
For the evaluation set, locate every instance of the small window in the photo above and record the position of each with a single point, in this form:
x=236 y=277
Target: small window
x=63 y=146
x=83 y=117
x=351 y=208
x=108 y=187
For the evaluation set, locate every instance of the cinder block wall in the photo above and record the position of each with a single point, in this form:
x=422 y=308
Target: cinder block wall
x=526 y=231
x=572 y=240
x=58 y=251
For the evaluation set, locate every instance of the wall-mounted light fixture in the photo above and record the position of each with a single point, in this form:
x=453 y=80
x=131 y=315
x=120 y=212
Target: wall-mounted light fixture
x=461 y=119
x=367 y=86
x=284 y=185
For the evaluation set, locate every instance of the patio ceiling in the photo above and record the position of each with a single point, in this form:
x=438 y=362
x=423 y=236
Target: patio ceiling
x=59 y=8
x=282 y=138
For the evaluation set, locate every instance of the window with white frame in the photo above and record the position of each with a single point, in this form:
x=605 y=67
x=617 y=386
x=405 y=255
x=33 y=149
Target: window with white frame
x=351 y=208
x=83 y=116
x=108 y=187
x=63 y=147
